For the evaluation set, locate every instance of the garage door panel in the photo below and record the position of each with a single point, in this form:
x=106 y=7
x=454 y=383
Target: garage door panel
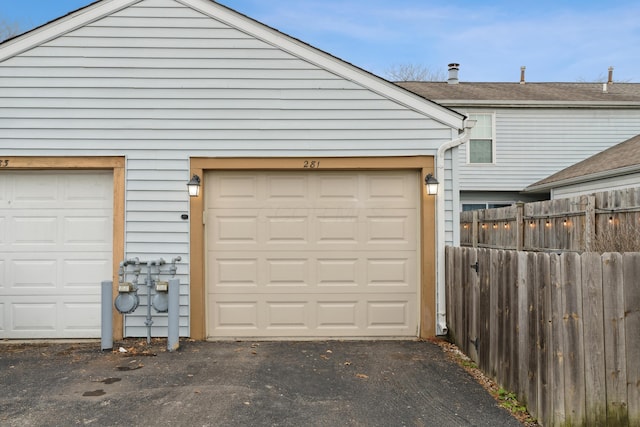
x=339 y=315
x=287 y=188
x=392 y=273
x=34 y=231
x=53 y=190
x=92 y=232
x=55 y=249
x=42 y=232
x=338 y=256
x=342 y=188
x=292 y=229
x=338 y=272
x=287 y=272
x=38 y=274
x=234 y=272
x=338 y=229
x=232 y=227
x=79 y=274
x=235 y=315
x=52 y=272
x=389 y=315
x=237 y=189
x=397 y=189
x=287 y=315
x=391 y=230
x=296 y=316
x=34 y=316
x=81 y=317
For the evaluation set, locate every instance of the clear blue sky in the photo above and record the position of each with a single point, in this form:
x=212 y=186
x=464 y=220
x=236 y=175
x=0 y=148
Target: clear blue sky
x=557 y=40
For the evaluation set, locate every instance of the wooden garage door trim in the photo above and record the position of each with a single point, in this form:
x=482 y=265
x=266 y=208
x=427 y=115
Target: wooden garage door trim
x=424 y=164
x=115 y=164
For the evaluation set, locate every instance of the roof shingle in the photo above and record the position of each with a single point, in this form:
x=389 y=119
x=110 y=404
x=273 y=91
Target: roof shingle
x=554 y=92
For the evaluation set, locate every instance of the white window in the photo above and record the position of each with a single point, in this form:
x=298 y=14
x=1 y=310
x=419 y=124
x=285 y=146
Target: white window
x=473 y=206
x=482 y=141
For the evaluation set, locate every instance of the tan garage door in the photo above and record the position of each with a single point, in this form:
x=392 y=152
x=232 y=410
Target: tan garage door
x=312 y=254
x=55 y=248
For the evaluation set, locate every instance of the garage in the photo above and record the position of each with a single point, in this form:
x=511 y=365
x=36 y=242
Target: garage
x=56 y=231
x=312 y=253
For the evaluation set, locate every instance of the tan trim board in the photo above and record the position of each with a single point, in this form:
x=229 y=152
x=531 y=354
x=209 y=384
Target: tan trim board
x=424 y=164
x=117 y=165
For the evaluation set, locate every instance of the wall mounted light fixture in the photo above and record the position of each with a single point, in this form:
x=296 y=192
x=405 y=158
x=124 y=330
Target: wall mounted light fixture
x=194 y=186
x=432 y=184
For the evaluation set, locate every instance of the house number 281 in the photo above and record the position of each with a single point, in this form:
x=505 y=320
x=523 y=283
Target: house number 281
x=311 y=164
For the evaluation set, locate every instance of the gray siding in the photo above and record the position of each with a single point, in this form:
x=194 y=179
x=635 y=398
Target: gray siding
x=160 y=91
x=533 y=143
x=600 y=185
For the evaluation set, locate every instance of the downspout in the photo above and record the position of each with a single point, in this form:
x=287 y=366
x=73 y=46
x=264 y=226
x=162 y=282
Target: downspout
x=441 y=302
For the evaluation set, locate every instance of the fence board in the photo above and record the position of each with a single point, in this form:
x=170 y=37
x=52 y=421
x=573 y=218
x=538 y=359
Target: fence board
x=573 y=338
x=512 y=342
x=556 y=343
x=484 y=261
x=572 y=224
x=632 y=331
x=524 y=345
x=457 y=291
x=501 y=361
x=450 y=267
x=614 y=334
x=593 y=327
x=494 y=337
x=532 y=298
x=560 y=330
x=544 y=334
x=475 y=307
x=465 y=299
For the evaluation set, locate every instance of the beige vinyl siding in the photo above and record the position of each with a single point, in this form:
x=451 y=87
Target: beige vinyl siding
x=160 y=91
x=526 y=151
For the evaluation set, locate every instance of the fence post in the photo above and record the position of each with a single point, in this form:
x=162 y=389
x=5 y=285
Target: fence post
x=520 y=226
x=589 y=222
x=474 y=230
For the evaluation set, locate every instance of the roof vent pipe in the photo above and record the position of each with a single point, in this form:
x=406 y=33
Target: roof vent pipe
x=453 y=73
x=522 y=74
x=610 y=78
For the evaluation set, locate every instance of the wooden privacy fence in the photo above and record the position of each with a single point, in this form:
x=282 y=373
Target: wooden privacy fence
x=571 y=224
x=561 y=331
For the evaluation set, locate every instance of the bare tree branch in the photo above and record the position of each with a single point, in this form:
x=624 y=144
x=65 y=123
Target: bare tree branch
x=8 y=29
x=414 y=72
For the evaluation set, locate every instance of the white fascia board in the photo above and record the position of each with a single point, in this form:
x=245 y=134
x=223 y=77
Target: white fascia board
x=62 y=26
x=330 y=63
x=487 y=103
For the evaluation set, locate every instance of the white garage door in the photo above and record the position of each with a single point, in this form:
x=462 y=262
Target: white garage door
x=312 y=254
x=55 y=249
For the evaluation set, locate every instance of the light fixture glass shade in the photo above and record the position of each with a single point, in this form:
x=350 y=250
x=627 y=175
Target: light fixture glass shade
x=432 y=184
x=194 y=186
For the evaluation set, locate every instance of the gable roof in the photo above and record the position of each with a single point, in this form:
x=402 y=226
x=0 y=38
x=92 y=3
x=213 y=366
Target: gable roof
x=532 y=94
x=293 y=46
x=621 y=159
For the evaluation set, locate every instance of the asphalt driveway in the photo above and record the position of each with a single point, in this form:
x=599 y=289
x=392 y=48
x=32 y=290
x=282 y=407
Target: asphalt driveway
x=329 y=383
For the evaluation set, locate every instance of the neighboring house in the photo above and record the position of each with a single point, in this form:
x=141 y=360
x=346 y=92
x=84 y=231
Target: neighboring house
x=615 y=168
x=312 y=221
x=528 y=131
